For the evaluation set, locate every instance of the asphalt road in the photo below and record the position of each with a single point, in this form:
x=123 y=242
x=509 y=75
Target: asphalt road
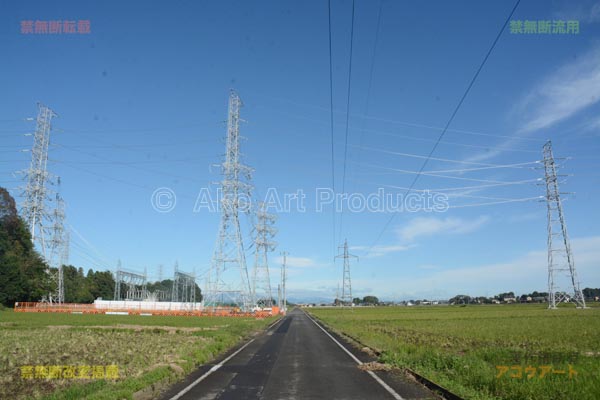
x=294 y=359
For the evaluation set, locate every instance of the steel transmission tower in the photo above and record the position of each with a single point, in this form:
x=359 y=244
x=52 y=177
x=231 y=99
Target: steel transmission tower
x=347 y=282
x=59 y=247
x=261 y=281
x=228 y=280
x=560 y=257
x=33 y=209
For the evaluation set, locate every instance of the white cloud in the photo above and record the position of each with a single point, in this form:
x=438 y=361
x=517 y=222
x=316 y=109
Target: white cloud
x=423 y=226
x=382 y=250
x=584 y=13
x=595 y=13
x=525 y=273
x=572 y=88
x=298 y=262
x=521 y=274
x=428 y=226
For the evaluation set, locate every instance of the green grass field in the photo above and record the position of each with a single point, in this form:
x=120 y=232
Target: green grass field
x=148 y=350
x=461 y=347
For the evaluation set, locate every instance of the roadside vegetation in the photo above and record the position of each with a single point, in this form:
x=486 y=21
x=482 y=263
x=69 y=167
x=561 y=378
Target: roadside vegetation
x=149 y=351
x=463 y=347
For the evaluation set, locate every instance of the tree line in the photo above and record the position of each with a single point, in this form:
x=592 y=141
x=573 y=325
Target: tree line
x=25 y=276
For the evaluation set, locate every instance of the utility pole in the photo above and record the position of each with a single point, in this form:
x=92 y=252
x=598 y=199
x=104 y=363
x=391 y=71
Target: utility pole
x=229 y=258
x=261 y=281
x=279 y=296
x=283 y=281
x=34 y=210
x=346 y=282
x=560 y=256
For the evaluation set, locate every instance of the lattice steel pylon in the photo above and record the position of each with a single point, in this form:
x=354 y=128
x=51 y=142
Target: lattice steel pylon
x=227 y=280
x=261 y=280
x=36 y=193
x=59 y=247
x=560 y=256
x=346 y=281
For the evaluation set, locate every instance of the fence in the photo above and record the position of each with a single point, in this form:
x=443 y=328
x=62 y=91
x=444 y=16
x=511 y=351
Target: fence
x=138 y=309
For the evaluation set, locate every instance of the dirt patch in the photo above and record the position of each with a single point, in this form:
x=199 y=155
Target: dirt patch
x=152 y=391
x=176 y=368
x=368 y=351
x=375 y=366
x=139 y=328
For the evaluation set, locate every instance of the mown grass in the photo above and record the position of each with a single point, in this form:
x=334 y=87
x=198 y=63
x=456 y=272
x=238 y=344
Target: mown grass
x=147 y=350
x=460 y=347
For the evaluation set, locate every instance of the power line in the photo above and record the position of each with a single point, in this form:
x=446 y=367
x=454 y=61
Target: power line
x=479 y=187
x=462 y=99
x=331 y=117
x=347 y=113
x=135 y=146
x=451 y=194
x=439 y=128
x=370 y=84
x=427 y=158
x=486 y=147
x=392 y=121
x=86 y=242
x=499 y=202
x=126 y=164
x=405 y=171
x=515 y=165
x=462 y=170
x=110 y=130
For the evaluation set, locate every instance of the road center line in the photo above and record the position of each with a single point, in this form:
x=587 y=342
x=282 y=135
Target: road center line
x=210 y=371
x=216 y=367
x=373 y=374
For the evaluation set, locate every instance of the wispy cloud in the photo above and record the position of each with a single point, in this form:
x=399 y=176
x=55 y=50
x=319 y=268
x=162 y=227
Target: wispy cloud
x=382 y=250
x=299 y=262
x=572 y=88
x=522 y=274
x=569 y=90
x=584 y=12
x=421 y=227
x=428 y=226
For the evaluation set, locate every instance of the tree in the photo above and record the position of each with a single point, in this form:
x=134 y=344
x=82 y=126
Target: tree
x=166 y=286
x=370 y=300
x=590 y=293
x=23 y=274
x=76 y=286
x=356 y=300
x=101 y=284
x=507 y=295
x=460 y=299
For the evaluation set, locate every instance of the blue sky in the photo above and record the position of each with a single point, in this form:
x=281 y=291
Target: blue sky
x=142 y=99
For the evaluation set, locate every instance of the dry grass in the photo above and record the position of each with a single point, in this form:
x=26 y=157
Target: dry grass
x=160 y=347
